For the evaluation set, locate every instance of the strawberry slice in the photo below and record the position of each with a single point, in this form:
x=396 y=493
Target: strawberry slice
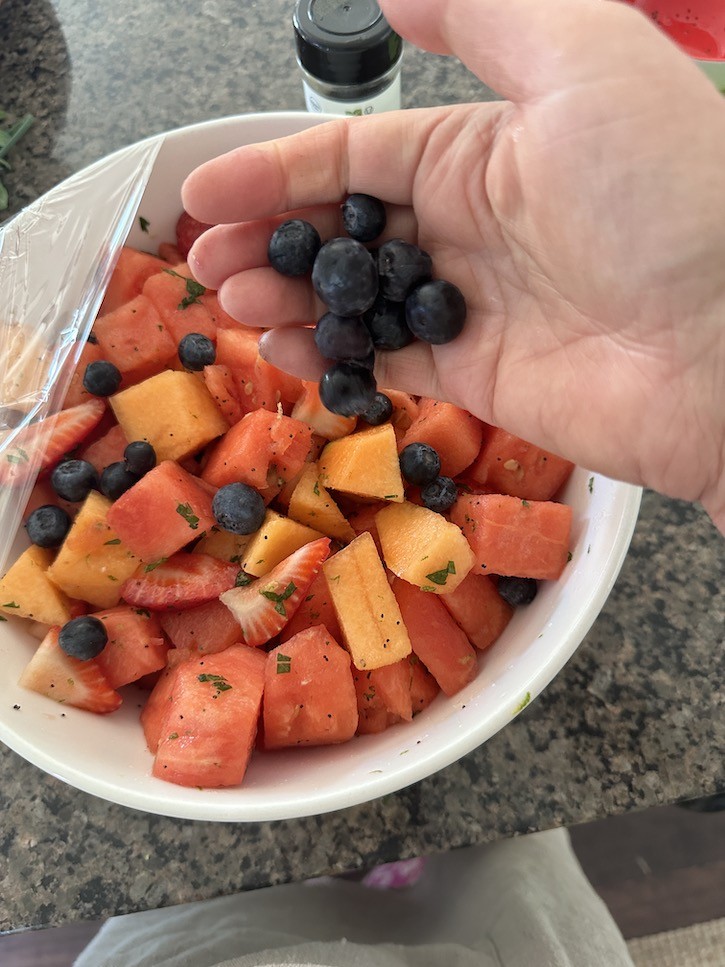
x=265 y=606
x=42 y=444
x=179 y=583
x=67 y=680
x=188 y=229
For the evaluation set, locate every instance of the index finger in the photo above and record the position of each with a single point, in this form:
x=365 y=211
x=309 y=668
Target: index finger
x=377 y=155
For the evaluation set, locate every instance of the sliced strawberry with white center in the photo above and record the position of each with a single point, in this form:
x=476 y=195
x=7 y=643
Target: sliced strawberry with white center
x=42 y=444
x=181 y=582
x=264 y=607
x=67 y=680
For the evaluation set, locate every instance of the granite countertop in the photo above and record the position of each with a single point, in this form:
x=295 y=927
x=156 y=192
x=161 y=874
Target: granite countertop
x=634 y=720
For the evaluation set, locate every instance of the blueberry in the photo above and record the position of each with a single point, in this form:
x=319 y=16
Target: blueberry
x=293 y=247
x=435 y=312
x=344 y=277
x=347 y=389
x=419 y=463
x=140 y=457
x=343 y=337
x=440 y=494
x=48 y=525
x=386 y=323
x=74 y=479
x=363 y=217
x=102 y=378
x=83 y=638
x=196 y=351
x=379 y=411
x=401 y=267
x=116 y=479
x=517 y=590
x=238 y=508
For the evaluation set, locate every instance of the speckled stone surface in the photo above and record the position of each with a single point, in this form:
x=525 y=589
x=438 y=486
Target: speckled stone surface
x=635 y=719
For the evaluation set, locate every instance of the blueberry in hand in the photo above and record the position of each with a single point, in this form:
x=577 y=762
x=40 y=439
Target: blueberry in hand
x=379 y=411
x=401 y=267
x=347 y=389
x=238 y=508
x=116 y=479
x=140 y=457
x=517 y=591
x=419 y=463
x=435 y=312
x=440 y=494
x=363 y=217
x=83 y=638
x=48 y=525
x=343 y=337
x=344 y=277
x=101 y=378
x=73 y=480
x=196 y=351
x=386 y=322
x=293 y=247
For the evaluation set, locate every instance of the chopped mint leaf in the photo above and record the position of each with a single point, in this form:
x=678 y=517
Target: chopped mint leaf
x=186 y=511
x=10 y=604
x=440 y=577
x=523 y=703
x=3 y=618
x=174 y=735
x=218 y=681
x=116 y=540
x=284 y=664
x=525 y=503
x=569 y=557
x=242 y=580
x=280 y=599
x=154 y=564
x=144 y=224
x=591 y=485
x=316 y=488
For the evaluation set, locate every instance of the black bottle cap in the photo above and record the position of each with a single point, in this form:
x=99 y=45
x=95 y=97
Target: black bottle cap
x=345 y=41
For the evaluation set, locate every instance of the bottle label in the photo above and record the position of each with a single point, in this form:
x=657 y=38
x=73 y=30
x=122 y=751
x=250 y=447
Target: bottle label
x=387 y=100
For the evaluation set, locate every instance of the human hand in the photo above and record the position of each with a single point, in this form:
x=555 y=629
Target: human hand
x=582 y=219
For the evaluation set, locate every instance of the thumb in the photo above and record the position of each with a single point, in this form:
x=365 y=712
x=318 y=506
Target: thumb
x=524 y=49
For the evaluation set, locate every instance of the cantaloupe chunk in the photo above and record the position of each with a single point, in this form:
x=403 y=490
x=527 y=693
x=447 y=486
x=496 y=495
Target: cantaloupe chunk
x=423 y=548
x=369 y=616
x=276 y=539
x=311 y=504
x=27 y=592
x=223 y=545
x=364 y=464
x=173 y=411
x=93 y=562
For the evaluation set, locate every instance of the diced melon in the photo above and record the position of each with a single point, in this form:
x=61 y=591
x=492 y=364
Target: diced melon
x=516 y=538
x=311 y=504
x=369 y=616
x=223 y=545
x=423 y=548
x=173 y=411
x=163 y=512
x=93 y=562
x=27 y=592
x=453 y=432
x=309 y=695
x=479 y=609
x=310 y=409
x=507 y=464
x=365 y=464
x=276 y=539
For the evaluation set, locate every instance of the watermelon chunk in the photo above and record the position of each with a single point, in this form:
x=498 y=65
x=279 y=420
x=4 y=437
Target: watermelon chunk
x=162 y=513
x=134 y=338
x=135 y=645
x=208 y=732
x=208 y=628
x=453 y=432
x=513 y=537
x=106 y=450
x=509 y=465
x=478 y=608
x=180 y=310
x=315 y=609
x=435 y=637
x=129 y=276
x=309 y=694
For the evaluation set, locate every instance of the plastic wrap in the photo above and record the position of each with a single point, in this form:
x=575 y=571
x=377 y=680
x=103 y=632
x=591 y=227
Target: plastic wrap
x=56 y=259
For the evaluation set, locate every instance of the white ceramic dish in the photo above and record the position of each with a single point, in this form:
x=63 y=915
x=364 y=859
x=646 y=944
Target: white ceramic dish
x=106 y=755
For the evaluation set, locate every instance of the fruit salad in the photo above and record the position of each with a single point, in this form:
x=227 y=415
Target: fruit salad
x=273 y=571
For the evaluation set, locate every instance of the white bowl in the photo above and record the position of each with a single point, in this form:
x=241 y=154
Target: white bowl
x=106 y=755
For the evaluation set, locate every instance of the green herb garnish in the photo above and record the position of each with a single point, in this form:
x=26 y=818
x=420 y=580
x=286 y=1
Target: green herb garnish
x=218 y=681
x=116 y=540
x=193 y=288
x=523 y=703
x=144 y=223
x=284 y=664
x=440 y=577
x=316 y=488
x=154 y=564
x=242 y=580
x=279 y=599
x=186 y=511
x=591 y=485
x=10 y=604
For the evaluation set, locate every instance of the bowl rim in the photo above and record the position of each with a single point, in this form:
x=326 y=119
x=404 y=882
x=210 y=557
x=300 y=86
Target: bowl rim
x=625 y=503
